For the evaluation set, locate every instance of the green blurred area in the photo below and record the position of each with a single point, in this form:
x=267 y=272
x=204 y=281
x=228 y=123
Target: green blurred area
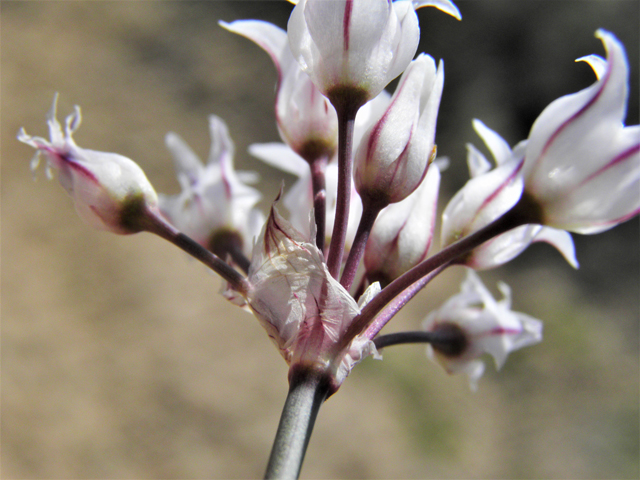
x=120 y=359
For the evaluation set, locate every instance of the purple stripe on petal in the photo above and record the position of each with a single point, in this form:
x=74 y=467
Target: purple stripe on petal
x=346 y=24
x=616 y=160
x=74 y=164
x=497 y=191
x=578 y=114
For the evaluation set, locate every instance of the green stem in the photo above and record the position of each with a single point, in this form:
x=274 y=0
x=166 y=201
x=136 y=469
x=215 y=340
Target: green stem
x=308 y=389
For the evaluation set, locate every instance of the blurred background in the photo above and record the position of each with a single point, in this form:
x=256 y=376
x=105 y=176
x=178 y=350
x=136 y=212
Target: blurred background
x=119 y=358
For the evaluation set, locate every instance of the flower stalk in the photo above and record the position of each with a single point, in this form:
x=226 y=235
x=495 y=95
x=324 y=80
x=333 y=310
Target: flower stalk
x=154 y=223
x=308 y=389
x=319 y=185
x=346 y=120
x=369 y=214
x=510 y=220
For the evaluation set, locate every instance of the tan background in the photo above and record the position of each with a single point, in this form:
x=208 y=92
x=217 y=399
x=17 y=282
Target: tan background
x=120 y=360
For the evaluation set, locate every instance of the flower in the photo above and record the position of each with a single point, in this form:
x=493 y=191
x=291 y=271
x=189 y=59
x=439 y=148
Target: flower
x=215 y=207
x=306 y=120
x=472 y=323
x=394 y=154
x=304 y=310
x=299 y=199
x=402 y=234
x=110 y=192
x=355 y=46
x=490 y=194
x=582 y=165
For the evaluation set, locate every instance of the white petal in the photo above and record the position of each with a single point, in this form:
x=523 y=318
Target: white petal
x=269 y=37
x=500 y=149
x=561 y=240
x=482 y=200
x=280 y=156
x=476 y=161
x=576 y=135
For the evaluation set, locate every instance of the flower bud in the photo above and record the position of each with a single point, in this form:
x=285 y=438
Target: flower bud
x=110 y=192
x=394 y=154
x=306 y=120
x=402 y=233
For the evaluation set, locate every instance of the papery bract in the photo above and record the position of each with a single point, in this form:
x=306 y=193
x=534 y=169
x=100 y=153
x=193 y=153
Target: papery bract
x=582 y=165
x=474 y=323
x=110 y=192
x=394 y=154
x=303 y=308
x=215 y=207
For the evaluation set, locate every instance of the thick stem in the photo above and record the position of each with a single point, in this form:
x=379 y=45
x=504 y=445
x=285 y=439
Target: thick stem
x=346 y=121
x=308 y=389
x=369 y=214
x=318 y=167
x=154 y=223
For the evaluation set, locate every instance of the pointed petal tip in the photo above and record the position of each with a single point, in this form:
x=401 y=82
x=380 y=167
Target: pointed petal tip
x=445 y=6
x=596 y=62
x=51 y=114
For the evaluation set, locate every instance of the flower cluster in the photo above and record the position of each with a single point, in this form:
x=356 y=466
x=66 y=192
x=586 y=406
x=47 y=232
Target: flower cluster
x=355 y=246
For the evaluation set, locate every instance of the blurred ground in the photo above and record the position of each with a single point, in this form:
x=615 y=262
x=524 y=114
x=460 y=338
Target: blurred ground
x=119 y=359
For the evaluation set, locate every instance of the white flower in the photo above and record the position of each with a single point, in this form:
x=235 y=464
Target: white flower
x=299 y=198
x=215 y=207
x=306 y=120
x=488 y=195
x=395 y=153
x=582 y=165
x=472 y=323
x=110 y=192
x=355 y=45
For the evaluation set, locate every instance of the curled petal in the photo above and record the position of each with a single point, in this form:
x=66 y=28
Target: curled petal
x=500 y=149
x=509 y=245
x=445 y=6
